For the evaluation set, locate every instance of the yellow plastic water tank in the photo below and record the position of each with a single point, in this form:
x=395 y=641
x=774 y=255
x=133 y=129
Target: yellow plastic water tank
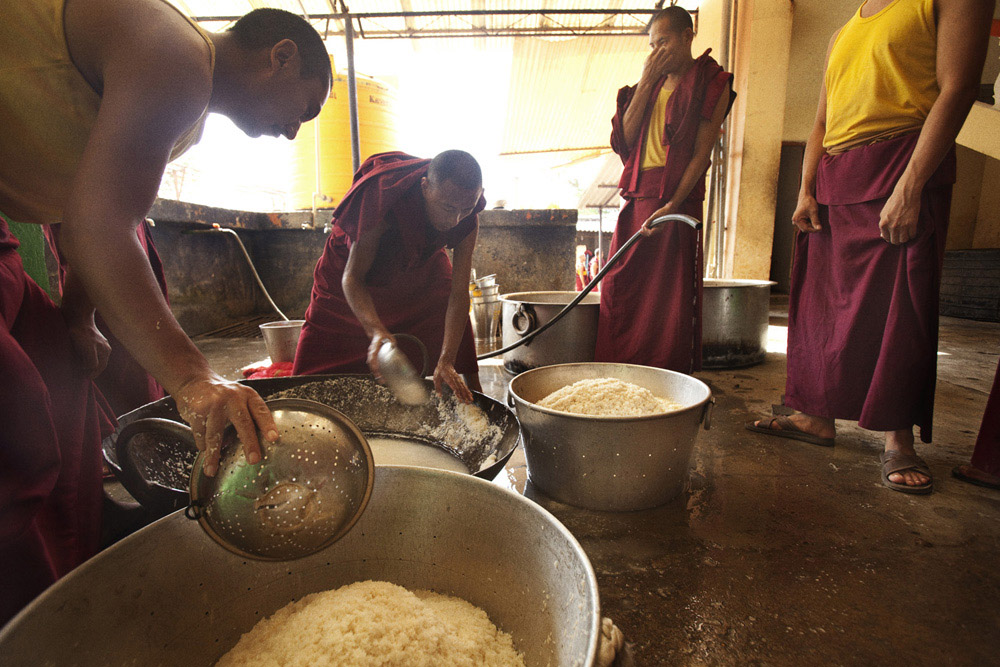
x=377 y=129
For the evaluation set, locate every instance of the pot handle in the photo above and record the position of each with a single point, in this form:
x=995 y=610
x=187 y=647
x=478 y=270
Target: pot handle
x=524 y=320
x=706 y=413
x=612 y=650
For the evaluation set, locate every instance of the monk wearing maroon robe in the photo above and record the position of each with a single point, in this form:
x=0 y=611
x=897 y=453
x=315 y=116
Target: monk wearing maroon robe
x=124 y=383
x=385 y=269
x=664 y=131
x=873 y=218
x=96 y=96
x=984 y=468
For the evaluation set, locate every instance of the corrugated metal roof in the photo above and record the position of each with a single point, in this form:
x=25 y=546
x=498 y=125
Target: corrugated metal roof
x=444 y=18
x=562 y=93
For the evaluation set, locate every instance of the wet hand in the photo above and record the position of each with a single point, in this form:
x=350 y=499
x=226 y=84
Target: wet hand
x=210 y=404
x=898 y=221
x=806 y=215
x=90 y=346
x=445 y=374
x=373 y=348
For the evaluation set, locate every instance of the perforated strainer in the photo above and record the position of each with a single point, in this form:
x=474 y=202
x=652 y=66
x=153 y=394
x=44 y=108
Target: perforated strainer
x=308 y=490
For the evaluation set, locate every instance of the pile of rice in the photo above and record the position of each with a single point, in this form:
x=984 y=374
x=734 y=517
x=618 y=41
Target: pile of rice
x=371 y=623
x=607 y=397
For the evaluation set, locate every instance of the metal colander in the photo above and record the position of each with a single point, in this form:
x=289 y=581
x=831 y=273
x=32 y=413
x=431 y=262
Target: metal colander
x=306 y=492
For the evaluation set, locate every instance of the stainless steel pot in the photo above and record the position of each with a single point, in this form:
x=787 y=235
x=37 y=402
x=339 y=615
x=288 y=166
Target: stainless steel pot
x=571 y=339
x=168 y=595
x=734 y=322
x=610 y=463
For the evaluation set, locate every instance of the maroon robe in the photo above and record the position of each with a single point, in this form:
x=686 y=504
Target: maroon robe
x=650 y=310
x=125 y=384
x=53 y=420
x=986 y=455
x=409 y=280
x=863 y=313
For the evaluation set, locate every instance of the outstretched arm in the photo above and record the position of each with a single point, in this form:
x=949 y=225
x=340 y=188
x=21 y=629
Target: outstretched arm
x=155 y=84
x=455 y=320
x=708 y=134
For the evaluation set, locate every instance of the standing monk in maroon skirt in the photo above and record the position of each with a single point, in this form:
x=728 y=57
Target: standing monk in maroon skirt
x=873 y=218
x=984 y=468
x=385 y=269
x=664 y=131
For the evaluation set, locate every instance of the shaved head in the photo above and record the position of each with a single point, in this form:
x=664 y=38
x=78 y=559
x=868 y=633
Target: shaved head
x=458 y=167
x=678 y=18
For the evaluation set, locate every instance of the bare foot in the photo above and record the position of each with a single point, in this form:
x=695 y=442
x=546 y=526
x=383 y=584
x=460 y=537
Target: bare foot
x=818 y=426
x=982 y=476
x=902 y=441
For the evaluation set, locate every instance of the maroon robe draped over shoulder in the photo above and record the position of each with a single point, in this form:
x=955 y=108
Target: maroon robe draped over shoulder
x=650 y=311
x=409 y=281
x=125 y=384
x=53 y=420
x=863 y=313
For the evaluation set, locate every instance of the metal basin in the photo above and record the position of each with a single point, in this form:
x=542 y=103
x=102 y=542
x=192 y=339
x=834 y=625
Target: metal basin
x=155 y=470
x=734 y=322
x=571 y=339
x=168 y=595
x=610 y=463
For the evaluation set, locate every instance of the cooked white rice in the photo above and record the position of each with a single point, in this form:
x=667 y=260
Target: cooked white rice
x=607 y=397
x=375 y=623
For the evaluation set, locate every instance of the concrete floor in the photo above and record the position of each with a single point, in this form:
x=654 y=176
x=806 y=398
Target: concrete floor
x=784 y=553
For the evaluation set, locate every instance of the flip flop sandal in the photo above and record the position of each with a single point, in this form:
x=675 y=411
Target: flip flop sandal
x=896 y=462
x=788 y=429
x=958 y=474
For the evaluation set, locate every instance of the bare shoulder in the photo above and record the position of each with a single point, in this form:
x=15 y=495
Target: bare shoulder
x=139 y=43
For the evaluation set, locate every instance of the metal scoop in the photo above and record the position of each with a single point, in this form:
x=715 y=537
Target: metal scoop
x=307 y=491
x=399 y=375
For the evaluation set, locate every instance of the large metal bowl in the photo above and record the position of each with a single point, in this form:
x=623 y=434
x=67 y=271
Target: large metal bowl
x=168 y=595
x=571 y=339
x=609 y=463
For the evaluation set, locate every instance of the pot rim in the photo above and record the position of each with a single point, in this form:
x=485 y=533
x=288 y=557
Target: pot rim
x=526 y=297
x=608 y=418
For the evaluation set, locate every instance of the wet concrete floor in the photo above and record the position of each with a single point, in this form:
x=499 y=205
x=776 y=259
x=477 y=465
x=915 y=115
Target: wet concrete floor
x=784 y=553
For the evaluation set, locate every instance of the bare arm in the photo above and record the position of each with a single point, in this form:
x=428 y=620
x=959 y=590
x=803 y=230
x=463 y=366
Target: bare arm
x=652 y=72
x=359 y=261
x=708 y=134
x=962 y=37
x=455 y=320
x=155 y=85
x=806 y=214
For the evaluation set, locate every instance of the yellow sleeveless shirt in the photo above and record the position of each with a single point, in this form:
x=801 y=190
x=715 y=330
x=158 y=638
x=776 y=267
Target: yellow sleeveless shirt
x=47 y=110
x=881 y=78
x=653 y=153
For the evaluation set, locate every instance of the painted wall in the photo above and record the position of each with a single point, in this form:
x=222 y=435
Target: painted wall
x=763 y=36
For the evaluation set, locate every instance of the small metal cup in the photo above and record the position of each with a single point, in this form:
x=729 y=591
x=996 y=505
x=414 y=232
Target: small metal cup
x=282 y=339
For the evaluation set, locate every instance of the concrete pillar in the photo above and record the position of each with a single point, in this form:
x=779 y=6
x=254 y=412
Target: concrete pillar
x=761 y=57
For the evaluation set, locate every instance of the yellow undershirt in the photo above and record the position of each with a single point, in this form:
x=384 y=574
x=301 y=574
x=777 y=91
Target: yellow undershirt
x=881 y=79
x=47 y=111
x=654 y=154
